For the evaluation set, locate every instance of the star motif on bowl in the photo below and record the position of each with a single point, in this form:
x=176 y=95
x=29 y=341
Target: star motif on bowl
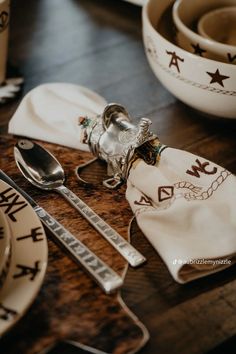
x=198 y=50
x=217 y=77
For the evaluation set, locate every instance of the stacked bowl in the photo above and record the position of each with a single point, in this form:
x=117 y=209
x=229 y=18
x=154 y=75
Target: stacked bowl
x=190 y=46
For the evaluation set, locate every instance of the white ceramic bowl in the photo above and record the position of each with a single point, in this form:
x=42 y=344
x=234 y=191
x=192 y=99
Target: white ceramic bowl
x=186 y=14
x=206 y=85
x=220 y=26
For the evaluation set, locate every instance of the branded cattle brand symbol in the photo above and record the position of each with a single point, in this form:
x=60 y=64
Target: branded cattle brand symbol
x=10 y=201
x=145 y=201
x=6 y=313
x=174 y=60
x=1 y=233
x=201 y=167
x=151 y=49
x=35 y=235
x=197 y=49
x=165 y=193
x=231 y=58
x=4 y=19
x=25 y=270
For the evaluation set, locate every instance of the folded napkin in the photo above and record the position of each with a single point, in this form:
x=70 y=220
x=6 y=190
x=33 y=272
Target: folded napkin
x=185 y=205
x=51 y=112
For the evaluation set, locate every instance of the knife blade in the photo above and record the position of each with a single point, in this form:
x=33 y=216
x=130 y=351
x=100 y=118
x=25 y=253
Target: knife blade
x=105 y=277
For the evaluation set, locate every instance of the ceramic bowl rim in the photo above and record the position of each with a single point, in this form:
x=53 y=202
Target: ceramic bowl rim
x=193 y=57
x=185 y=30
x=218 y=44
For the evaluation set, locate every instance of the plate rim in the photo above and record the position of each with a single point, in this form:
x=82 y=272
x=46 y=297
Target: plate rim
x=8 y=292
x=6 y=254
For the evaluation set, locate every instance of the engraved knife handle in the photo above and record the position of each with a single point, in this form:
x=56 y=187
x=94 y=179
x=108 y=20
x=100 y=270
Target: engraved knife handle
x=100 y=271
x=134 y=257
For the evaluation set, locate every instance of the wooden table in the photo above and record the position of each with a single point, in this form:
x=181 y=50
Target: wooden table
x=98 y=44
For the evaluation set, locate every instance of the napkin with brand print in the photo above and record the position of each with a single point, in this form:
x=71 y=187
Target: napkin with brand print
x=185 y=206
x=51 y=112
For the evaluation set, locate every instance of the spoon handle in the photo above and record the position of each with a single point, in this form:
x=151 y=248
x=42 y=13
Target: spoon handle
x=133 y=257
x=106 y=278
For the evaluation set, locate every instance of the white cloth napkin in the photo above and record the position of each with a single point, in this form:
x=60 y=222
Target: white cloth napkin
x=186 y=208
x=51 y=112
x=185 y=205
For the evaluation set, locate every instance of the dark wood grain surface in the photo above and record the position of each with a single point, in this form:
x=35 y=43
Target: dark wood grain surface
x=98 y=43
x=70 y=305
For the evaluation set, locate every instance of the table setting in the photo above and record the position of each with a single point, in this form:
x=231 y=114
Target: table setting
x=117 y=220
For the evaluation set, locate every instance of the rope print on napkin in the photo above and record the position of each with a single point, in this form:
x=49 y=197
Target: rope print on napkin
x=205 y=194
x=167 y=194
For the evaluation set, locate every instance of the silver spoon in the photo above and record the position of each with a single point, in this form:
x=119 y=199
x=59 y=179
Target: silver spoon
x=106 y=277
x=43 y=170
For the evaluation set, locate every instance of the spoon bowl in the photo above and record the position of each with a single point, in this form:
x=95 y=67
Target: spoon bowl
x=38 y=165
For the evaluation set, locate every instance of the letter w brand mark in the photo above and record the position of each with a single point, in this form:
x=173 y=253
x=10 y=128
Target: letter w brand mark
x=201 y=167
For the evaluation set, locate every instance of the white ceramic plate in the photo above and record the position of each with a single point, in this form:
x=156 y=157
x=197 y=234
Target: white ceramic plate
x=5 y=247
x=28 y=260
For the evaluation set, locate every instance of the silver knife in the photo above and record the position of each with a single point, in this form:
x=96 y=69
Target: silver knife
x=106 y=278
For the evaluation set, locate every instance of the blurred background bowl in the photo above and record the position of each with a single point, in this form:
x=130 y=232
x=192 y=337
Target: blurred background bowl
x=206 y=85
x=186 y=15
x=219 y=25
